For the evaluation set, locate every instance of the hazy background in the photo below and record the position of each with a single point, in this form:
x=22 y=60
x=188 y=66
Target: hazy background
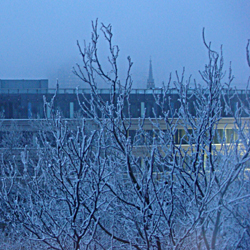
x=38 y=37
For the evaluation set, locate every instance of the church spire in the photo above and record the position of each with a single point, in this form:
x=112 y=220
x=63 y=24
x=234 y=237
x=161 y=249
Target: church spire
x=150 y=82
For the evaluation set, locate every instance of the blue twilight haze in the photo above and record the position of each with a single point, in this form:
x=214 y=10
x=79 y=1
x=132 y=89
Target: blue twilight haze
x=38 y=37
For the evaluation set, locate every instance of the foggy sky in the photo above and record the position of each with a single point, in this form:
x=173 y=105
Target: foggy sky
x=38 y=37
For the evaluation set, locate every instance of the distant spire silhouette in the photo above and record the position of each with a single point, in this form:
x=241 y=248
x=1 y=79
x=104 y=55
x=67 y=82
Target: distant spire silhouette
x=150 y=82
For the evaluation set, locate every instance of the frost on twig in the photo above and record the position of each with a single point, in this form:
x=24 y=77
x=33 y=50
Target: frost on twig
x=182 y=184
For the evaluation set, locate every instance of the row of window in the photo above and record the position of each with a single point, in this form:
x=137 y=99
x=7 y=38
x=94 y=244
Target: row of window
x=23 y=107
x=182 y=137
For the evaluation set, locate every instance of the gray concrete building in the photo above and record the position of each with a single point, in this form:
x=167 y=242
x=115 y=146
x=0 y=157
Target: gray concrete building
x=24 y=84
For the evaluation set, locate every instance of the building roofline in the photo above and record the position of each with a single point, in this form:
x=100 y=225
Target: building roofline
x=100 y=91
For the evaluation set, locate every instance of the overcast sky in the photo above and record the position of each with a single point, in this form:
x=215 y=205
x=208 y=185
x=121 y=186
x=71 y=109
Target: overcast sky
x=38 y=37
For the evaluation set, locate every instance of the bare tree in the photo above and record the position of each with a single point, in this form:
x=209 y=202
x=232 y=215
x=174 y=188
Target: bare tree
x=160 y=212
x=56 y=201
x=247 y=52
x=183 y=185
